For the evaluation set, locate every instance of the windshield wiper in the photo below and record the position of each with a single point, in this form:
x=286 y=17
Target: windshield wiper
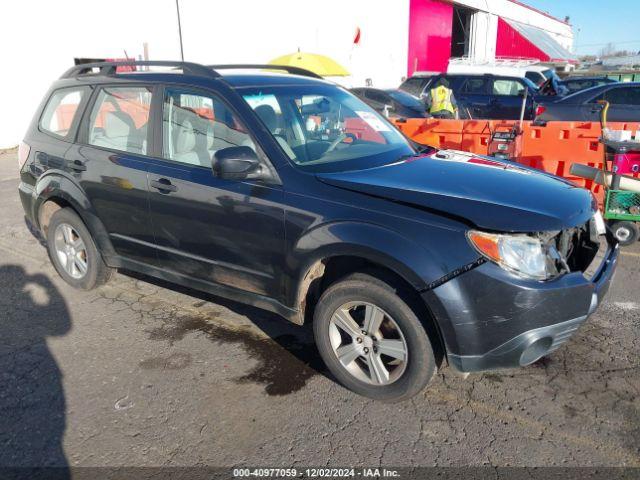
x=408 y=156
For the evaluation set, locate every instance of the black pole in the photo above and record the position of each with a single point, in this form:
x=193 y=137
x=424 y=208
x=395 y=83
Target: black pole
x=180 y=31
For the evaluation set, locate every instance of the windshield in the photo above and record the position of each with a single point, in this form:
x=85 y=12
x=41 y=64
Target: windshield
x=415 y=85
x=406 y=99
x=325 y=128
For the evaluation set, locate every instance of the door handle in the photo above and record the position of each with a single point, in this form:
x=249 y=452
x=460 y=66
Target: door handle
x=77 y=165
x=164 y=185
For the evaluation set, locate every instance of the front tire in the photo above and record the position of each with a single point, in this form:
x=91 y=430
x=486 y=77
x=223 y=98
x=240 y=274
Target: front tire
x=371 y=340
x=625 y=232
x=74 y=253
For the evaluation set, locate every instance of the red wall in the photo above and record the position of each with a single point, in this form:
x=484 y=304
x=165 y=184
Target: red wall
x=430 y=24
x=511 y=44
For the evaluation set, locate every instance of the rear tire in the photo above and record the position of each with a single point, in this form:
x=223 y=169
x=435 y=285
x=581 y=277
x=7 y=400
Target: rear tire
x=386 y=335
x=73 y=252
x=625 y=232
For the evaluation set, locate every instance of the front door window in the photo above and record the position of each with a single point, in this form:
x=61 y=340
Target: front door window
x=195 y=127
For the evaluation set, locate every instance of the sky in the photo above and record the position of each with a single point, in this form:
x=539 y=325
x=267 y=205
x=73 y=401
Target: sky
x=596 y=22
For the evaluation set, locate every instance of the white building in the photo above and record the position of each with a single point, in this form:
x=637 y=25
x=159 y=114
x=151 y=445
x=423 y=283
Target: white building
x=397 y=37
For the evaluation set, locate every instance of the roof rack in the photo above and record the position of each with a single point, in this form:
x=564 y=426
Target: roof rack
x=110 y=68
x=287 y=68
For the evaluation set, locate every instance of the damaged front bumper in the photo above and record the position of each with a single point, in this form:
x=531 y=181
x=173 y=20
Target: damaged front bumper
x=491 y=319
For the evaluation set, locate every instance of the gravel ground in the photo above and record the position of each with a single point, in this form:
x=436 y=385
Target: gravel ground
x=140 y=373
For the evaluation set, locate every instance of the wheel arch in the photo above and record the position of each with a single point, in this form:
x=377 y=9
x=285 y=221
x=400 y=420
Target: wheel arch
x=54 y=192
x=369 y=249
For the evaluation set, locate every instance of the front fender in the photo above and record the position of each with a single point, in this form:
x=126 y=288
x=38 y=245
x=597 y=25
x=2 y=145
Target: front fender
x=372 y=242
x=60 y=185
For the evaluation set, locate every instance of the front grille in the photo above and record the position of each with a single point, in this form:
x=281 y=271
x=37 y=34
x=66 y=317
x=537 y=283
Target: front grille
x=579 y=248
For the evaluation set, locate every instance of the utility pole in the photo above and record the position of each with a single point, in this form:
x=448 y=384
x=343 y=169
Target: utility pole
x=180 y=31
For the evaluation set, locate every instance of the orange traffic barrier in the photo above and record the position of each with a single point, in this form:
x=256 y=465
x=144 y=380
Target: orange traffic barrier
x=552 y=148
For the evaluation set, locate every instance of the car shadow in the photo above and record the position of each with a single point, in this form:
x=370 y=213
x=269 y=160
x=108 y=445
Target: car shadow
x=286 y=356
x=32 y=401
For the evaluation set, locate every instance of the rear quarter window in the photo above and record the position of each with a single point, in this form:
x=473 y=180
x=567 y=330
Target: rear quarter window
x=507 y=87
x=61 y=110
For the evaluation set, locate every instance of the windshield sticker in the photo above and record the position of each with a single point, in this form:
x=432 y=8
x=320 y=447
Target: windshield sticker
x=373 y=121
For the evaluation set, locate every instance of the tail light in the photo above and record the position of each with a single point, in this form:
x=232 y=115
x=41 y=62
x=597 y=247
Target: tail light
x=540 y=110
x=23 y=154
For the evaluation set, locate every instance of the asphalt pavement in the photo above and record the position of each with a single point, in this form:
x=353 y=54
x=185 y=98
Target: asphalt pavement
x=142 y=373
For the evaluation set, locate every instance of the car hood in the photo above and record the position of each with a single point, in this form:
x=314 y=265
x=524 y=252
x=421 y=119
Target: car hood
x=490 y=194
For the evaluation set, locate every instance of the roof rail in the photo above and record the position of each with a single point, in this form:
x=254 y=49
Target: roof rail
x=287 y=68
x=109 y=68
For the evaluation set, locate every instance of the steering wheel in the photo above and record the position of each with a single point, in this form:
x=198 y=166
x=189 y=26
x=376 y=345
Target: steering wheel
x=341 y=138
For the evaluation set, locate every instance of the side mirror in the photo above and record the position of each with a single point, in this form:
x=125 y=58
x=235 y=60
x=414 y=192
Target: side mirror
x=235 y=163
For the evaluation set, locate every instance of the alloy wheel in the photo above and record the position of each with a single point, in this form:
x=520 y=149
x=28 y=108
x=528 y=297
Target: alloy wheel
x=368 y=343
x=71 y=251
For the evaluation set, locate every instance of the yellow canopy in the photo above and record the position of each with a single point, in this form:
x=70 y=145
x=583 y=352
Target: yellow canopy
x=320 y=64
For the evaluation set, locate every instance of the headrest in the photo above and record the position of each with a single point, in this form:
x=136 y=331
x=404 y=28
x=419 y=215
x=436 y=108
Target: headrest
x=268 y=115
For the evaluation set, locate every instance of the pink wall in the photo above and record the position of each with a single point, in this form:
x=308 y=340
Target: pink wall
x=430 y=24
x=511 y=44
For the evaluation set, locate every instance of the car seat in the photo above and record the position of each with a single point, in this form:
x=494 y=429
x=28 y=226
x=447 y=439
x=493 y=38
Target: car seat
x=268 y=116
x=190 y=140
x=118 y=128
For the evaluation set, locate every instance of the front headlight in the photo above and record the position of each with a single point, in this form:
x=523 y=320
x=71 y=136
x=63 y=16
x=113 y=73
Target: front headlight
x=518 y=253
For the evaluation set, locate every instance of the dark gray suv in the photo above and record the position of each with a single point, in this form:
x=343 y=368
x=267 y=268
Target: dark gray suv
x=288 y=193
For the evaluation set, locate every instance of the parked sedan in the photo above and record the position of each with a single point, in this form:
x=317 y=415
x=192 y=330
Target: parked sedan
x=624 y=100
x=576 y=84
x=391 y=102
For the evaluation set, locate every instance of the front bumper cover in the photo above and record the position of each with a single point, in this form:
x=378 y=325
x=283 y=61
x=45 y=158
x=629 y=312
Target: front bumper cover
x=491 y=319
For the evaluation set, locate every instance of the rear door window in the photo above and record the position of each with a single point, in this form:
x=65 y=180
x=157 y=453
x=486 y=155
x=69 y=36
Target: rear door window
x=61 y=110
x=119 y=119
x=577 y=85
x=507 y=87
x=623 y=96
